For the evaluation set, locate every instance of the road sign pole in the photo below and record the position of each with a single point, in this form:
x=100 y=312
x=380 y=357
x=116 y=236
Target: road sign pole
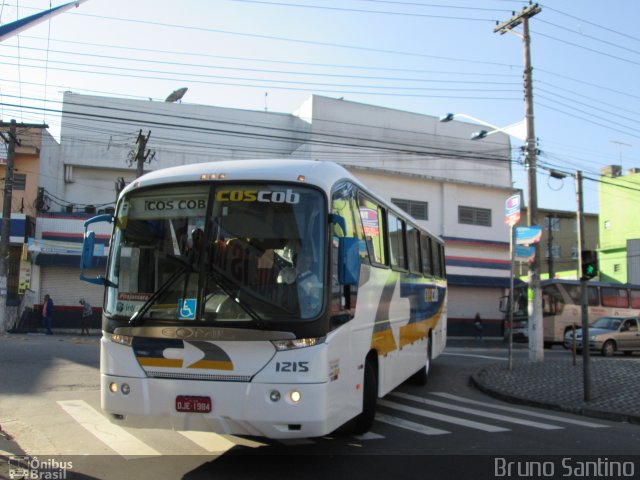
x=512 y=217
x=511 y=282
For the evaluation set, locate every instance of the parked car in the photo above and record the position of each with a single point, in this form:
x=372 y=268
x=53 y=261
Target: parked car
x=608 y=335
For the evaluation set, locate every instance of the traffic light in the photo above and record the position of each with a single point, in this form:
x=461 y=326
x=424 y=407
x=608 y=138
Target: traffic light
x=589 y=264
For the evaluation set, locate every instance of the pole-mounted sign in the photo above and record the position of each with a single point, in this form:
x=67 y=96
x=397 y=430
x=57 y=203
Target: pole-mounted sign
x=512 y=210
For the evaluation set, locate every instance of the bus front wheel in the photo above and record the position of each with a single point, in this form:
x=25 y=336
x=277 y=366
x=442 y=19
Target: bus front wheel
x=362 y=423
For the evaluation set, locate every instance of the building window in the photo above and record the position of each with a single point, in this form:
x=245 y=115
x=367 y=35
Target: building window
x=19 y=181
x=418 y=210
x=555 y=249
x=574 y=253
x=474 y=216
x=552 y=223
x=607 y=224
x=617 y=267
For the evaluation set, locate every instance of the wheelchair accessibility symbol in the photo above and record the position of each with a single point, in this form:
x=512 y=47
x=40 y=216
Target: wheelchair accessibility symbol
x=187 y=308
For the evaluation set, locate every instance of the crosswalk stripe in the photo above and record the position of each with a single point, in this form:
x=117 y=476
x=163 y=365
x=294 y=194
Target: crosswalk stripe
x=209 y=441
x=473 y=411
x=439 y=416
x=409 y=425
x=573 y=421
x=369 y=436
x=115 y=437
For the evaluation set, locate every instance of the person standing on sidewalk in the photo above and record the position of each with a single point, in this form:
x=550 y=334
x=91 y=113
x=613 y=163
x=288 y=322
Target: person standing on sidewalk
x=47 y=313
x=87 y=313
x=477 y=325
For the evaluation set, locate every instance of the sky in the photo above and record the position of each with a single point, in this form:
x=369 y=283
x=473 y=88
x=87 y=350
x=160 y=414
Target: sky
x=425 y=56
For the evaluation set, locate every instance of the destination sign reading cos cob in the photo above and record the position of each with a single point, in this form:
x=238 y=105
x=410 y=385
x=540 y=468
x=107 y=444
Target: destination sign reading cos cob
x=263 y=196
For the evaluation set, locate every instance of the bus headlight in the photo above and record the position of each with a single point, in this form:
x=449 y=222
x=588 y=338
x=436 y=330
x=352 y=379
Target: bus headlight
x=117 y=338
x=125 y=389
x=292 y=344
x=295 y=396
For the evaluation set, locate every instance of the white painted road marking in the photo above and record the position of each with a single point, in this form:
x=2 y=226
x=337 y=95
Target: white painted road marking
x=209 y=441
x=409 y=425
x=439 y=416
x=113 y=436
x=546 y=416
x=473 y=411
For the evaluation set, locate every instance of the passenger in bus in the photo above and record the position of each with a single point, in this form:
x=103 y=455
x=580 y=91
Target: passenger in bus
x=195 y=246
x=309 y=286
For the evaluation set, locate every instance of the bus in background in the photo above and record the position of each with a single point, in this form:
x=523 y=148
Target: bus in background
x=561 y=306
x=275 y=298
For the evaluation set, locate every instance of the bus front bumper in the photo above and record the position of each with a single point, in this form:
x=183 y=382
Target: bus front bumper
x=237 y=408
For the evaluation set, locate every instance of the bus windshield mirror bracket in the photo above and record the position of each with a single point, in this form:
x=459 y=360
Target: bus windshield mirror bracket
x=338 y=220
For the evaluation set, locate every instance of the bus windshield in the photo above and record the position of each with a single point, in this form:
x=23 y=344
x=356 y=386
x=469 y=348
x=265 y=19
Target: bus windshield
x=239 y=254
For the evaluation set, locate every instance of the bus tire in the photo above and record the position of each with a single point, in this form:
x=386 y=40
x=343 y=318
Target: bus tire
x=362 y=423
x=421 y=377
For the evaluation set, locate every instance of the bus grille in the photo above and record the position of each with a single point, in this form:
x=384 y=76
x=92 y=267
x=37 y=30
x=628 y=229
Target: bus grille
x=200 y=376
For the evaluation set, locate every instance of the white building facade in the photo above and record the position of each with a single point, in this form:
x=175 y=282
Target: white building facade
x=454 y=186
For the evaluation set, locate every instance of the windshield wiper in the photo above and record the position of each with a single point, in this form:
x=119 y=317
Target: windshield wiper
x=232 y=290
x=136 y=318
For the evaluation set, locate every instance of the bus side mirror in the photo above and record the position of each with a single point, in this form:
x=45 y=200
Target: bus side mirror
x=88 y=244
x=348 y=261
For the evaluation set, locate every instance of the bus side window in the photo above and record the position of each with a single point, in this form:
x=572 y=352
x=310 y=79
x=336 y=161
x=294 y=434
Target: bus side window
x=635 y=298
x=593 y=297
x=552 y=302
x=438 y=261
x=614 y=297
x=397 y=233
x=372 y=218
x=425 y=255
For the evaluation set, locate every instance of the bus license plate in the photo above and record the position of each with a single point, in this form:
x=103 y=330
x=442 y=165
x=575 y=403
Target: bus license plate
x=188 y=403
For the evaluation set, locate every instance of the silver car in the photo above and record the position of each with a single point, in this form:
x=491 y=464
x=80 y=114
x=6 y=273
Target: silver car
x=608 y=335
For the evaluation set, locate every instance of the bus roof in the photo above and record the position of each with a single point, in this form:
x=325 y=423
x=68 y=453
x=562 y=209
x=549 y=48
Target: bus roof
x=324 y=174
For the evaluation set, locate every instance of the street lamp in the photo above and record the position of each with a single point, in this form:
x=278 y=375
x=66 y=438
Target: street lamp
x=523 y=130
x=516 y=130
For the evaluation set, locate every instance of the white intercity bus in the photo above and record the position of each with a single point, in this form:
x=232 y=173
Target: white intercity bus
x=562 y=306
x=275 y=298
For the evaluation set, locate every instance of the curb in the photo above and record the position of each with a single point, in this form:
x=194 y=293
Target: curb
x=585 y=411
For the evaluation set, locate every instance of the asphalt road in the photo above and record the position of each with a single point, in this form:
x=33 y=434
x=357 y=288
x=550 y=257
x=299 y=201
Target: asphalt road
x=50 y=404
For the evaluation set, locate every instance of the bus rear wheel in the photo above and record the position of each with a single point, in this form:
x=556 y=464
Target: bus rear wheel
x=421 y=377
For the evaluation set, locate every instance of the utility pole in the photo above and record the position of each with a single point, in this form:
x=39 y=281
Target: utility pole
x=586 y=354
x=141 y=155
x=6 y=222
x=536 y=345
x=551 y=224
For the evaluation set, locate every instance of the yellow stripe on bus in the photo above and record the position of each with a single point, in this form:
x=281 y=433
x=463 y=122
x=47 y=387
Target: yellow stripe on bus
x=160 y=362
x=414 y=331
x=383 y=342
x=213 y=365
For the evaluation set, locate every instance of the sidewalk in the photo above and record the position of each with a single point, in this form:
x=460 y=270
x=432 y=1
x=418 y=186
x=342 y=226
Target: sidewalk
x=557 y=384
